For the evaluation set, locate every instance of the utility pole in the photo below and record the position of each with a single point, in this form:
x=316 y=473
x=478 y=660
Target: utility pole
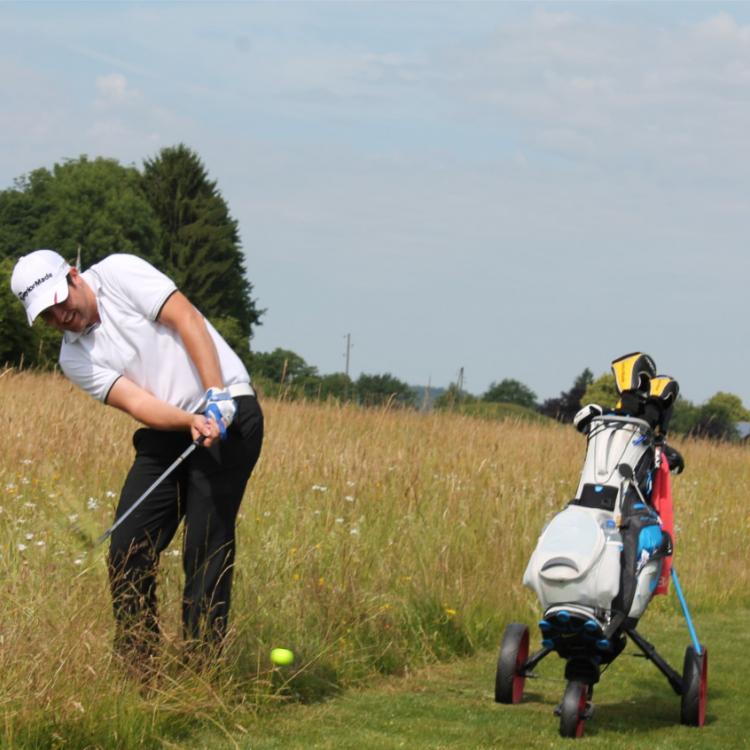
x=348 y=338
x=460 y=383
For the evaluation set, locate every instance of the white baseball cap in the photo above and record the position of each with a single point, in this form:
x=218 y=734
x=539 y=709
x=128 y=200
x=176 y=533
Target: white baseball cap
x=39 y=281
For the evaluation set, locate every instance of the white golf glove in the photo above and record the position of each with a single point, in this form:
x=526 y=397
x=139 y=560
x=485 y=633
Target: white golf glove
x=221 y=408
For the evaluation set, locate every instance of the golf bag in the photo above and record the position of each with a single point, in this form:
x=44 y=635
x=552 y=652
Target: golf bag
x=599 y=560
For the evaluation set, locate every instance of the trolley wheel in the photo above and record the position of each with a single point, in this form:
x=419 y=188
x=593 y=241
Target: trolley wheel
x=694 y=687
x=514 y=651
x=573 y=709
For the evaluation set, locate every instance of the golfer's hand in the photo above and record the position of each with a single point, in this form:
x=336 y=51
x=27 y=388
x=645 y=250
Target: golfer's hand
x=206 y=428
x=221 y=408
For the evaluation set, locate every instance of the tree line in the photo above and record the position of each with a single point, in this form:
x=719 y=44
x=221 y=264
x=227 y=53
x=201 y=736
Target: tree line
x=170 y=213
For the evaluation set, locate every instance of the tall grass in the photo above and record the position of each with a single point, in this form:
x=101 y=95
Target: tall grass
x=369 y=541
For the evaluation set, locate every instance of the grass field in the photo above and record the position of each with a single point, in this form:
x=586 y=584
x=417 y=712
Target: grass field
x=371 y=542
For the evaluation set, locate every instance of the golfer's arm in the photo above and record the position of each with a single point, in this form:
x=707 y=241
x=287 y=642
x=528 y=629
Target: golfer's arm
x=179 y=314
x=146 y=408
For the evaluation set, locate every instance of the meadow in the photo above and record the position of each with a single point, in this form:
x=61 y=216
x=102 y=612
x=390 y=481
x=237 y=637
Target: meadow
x=371 y=542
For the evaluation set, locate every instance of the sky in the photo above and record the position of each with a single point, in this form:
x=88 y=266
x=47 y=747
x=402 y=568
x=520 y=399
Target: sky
x=521 y=190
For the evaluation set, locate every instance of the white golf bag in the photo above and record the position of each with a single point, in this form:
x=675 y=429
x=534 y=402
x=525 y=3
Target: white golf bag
x=604 y=550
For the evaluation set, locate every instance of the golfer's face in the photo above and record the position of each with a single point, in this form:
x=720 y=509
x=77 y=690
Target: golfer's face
x=71 y=314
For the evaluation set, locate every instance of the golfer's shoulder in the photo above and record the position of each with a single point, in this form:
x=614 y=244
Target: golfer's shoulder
x=117 y=264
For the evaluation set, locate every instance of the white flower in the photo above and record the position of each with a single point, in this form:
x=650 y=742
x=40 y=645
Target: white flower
x=319 y=488
x=29 y=504
x=29 y=537
x=349 y=498
x=40 y=543
x=27 y=461
x=109 y=493
x=73 y=517
x=349 y=483
x=339 y=520
x=92 y=503
x=266 y=513
x=354 y=531
x=20 y=547
x=78 y=561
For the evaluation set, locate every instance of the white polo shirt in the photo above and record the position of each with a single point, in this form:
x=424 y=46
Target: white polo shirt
x=130 y=294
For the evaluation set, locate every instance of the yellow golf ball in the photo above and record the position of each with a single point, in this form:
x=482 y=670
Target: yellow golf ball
x=282 y=656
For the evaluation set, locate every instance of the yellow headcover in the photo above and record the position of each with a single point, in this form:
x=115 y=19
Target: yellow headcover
x=633 y=372
x=664 y=388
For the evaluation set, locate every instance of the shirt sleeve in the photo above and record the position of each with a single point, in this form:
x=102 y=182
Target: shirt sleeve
x=90 y=377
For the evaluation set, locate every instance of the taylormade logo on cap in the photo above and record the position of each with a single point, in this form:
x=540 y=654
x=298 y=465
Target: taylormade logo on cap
x=25 y=293
x=39 y=281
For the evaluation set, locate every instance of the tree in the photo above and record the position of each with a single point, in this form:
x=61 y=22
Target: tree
x=96 y=205
x=602 y=391
x=337 y=385
x=568 y=404
x=381 y=390
x=198 y=239
x=282 y=366
x=718 y=417
x=452 y=397
x=510 y=391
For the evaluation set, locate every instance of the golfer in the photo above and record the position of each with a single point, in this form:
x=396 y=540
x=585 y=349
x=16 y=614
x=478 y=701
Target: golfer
x=133 y=341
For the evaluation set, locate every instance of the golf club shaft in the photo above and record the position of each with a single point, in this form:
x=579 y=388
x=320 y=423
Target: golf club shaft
x=166 y=473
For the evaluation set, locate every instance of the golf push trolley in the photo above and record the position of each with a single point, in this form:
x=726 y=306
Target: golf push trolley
x=599 y=561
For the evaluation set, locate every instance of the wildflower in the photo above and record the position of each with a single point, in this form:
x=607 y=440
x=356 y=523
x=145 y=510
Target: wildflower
x=350 y=483
x=29 y=537
x=40 y=543
x=349 y=498
x=78 y=561
x=450 y=612
x=354 y=531
x=339 y=520
x=29 y=504
x=26 y=461
x=21 y=547
x=319 y=488
x=92 y=503
x=10 y=487
x=109 y=493
x=73 y=517
x=175 y=553
x=267 y=514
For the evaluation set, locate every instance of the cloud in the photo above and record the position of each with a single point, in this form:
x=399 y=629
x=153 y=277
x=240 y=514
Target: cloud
x=113 y=90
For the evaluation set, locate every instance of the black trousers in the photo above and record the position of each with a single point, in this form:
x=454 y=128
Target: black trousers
x=206 y=490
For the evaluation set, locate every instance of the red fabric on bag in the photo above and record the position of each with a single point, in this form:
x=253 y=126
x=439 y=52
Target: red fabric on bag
x=661 y=499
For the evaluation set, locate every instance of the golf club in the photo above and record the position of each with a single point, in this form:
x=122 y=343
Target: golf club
x=161 y=478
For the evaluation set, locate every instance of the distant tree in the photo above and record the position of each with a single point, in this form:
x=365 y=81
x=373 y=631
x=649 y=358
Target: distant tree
x=685 y=416
x=510 y=391
x=198 y=239
x=380 y=390
x=96 y=205
x=718 y=417
x=282 y=366
x=337 y=385
x=453 y=397
x=567 y=405
x=602 y=391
